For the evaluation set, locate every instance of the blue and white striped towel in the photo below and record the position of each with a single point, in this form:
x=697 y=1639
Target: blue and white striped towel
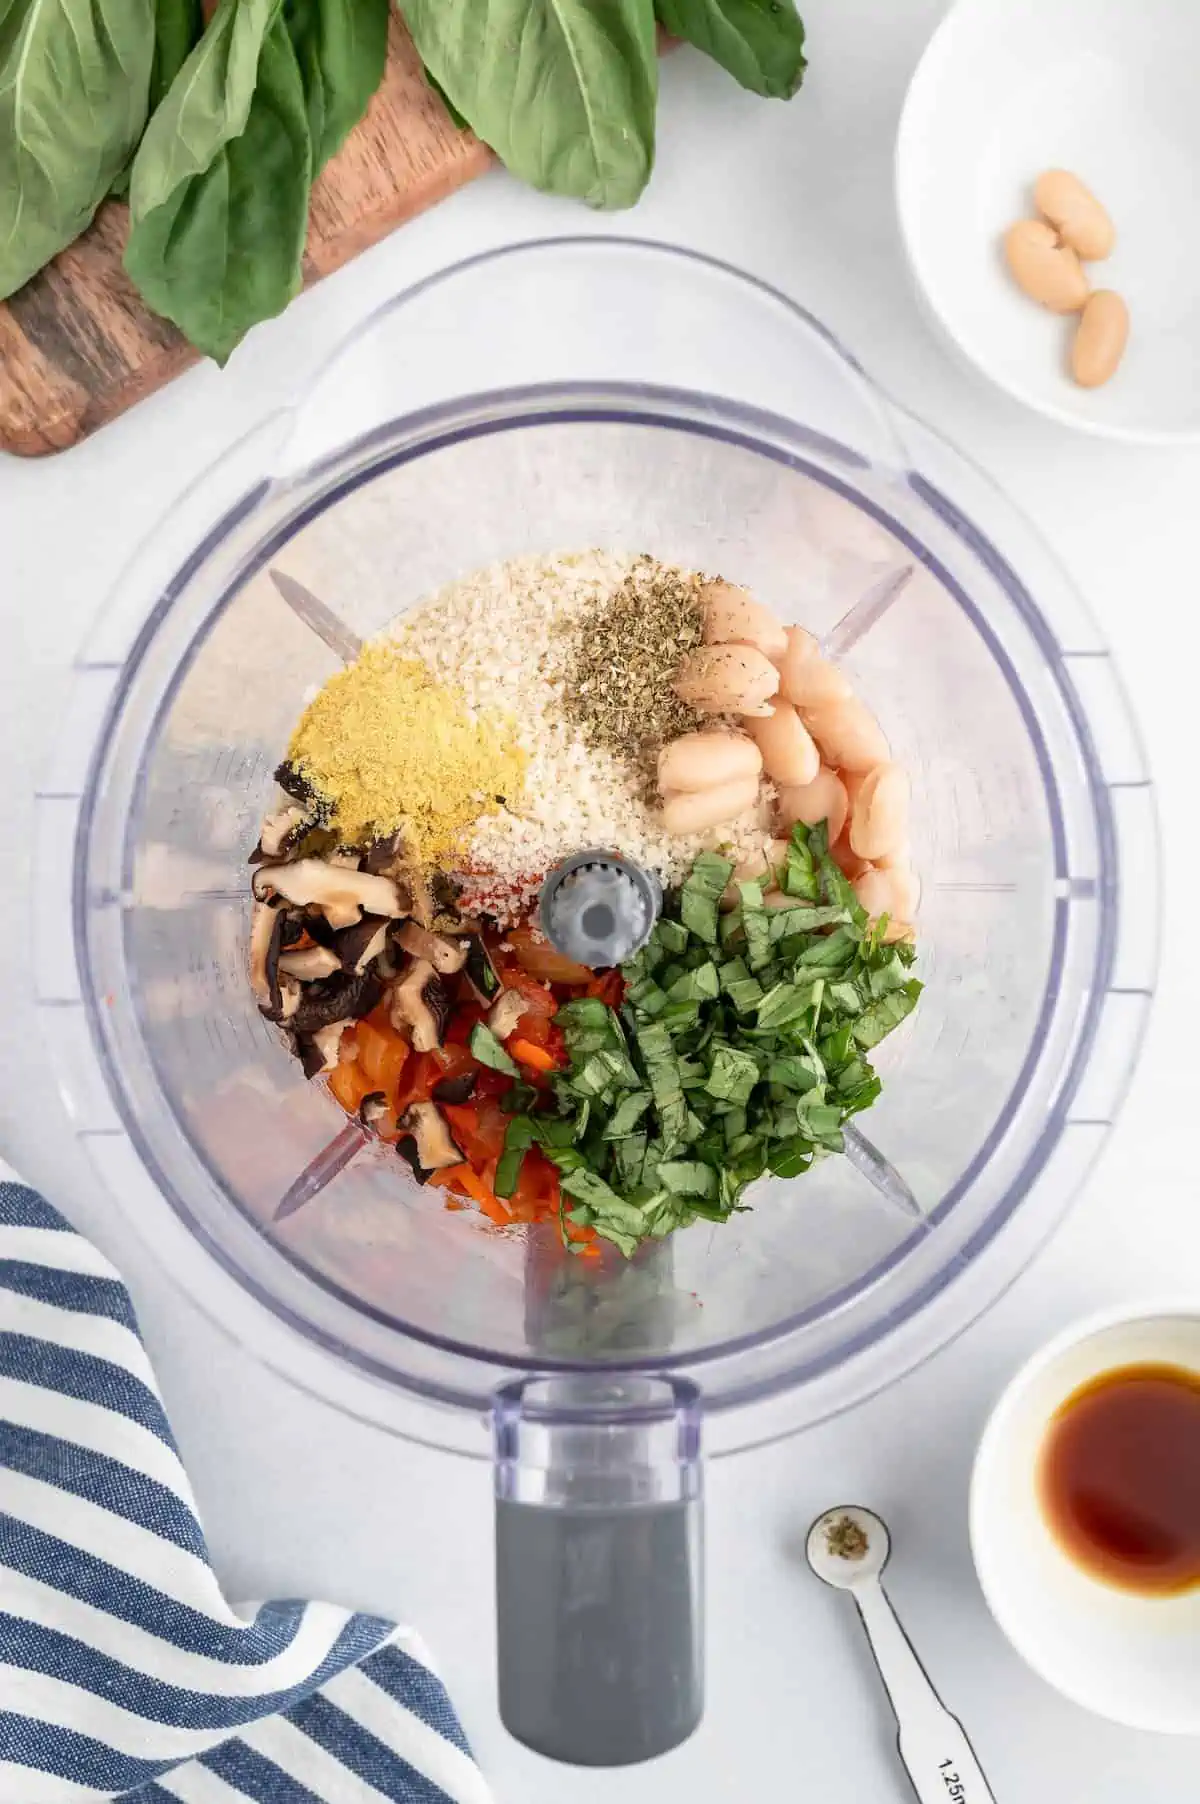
x=122 y=1668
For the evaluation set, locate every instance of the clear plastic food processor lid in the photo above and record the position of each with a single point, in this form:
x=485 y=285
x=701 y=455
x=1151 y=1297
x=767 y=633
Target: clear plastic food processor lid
x=597 y=393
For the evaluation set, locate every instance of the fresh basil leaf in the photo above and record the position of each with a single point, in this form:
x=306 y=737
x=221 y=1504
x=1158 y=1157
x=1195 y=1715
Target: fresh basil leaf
x=875 y=1023
x=178 y=25
x=781 y=1006
x=519 y=1136
x=760 y=42
x=74 y=93
x=838 y=891
x=701 y=893
x=587 y=1014
x=207 y=106
x=628 y=1113
x=646 y=996
x=672 y=936
x=791 y=1157
x=628 y=1157
x=792 y=1072
x=487 y=1049
x=757 y=924
x=457 y=118
x=699 y=985
x=603 y=1200
x=687 y=1177
x=341 y=49
x=178 y=28
x=744 y=992
x=832 y=951
x=220 y=186
x=733 y=1075
x=787 y=922
x=800 y=876
x=846 y=997
x=564 y=91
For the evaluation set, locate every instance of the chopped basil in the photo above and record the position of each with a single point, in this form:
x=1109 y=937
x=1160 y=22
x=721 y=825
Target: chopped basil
x=701 y=893
x=487 y=1049
x=519 y=1136
x=721 y=1065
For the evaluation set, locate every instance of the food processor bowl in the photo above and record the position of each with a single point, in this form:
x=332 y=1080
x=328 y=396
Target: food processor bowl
x=570 y=394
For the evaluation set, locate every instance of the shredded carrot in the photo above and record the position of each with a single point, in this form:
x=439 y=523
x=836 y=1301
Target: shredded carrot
x=471 y=1184
x=534 y=1056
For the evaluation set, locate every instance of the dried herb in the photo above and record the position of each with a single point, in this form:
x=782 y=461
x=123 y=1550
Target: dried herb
x=625 y=658
x=846 y=1540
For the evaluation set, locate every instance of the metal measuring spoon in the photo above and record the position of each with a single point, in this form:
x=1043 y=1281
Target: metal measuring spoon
x=848 y=1548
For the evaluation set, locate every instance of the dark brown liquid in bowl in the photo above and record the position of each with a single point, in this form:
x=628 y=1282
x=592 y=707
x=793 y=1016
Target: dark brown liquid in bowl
x=1120 y=1478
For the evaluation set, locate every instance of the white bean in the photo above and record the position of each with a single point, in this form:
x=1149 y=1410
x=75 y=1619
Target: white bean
x=731 y=617
x=894 y=893
x=824 y=799
x=702 y=808
x=874 y=890
x=906 y=891
x=879 y=816
x=1070 y=205
x=788 y=753
x=1100 y=339
x=847 y=859
x=848 y=734
x=700 y=760
x=728 y=679
x=1048 y=270
x=806 y=679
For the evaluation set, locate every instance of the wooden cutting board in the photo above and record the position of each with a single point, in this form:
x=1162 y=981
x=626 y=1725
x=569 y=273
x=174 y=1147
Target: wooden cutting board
x=77 y=347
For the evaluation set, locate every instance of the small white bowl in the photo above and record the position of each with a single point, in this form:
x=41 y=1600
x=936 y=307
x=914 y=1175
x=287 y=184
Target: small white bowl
x=1135 y=1660
x=1106 y=88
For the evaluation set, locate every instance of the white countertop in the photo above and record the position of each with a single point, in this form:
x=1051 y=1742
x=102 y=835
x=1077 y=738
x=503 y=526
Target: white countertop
x=299 y=1501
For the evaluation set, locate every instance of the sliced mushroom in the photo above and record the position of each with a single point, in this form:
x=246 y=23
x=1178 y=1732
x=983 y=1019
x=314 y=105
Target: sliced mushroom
x=446 y=956
x=267 y=926
x=505 y=1012
x=455 y=1089
x=341 y=895
x=317 y=927
x=344 y=997
x=312 y=963
x=384 y=858
x=280 y=834
x=421 y=1002
x=361 y=945
x=426 y=1142
x=375 y=1113
x=318 y=1052
x=295 y=928
x=300 y=789
x=482 y=976
x=345 y=858
x=290 y=996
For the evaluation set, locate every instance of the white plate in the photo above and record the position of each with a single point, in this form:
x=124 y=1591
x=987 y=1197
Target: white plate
x=1131 y=1658
x=1108 y=89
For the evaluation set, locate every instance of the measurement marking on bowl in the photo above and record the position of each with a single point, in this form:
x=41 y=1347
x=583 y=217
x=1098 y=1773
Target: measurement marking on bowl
x=320 y=1171
x=977 y=889
x=321 y=619
x=867 y=611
